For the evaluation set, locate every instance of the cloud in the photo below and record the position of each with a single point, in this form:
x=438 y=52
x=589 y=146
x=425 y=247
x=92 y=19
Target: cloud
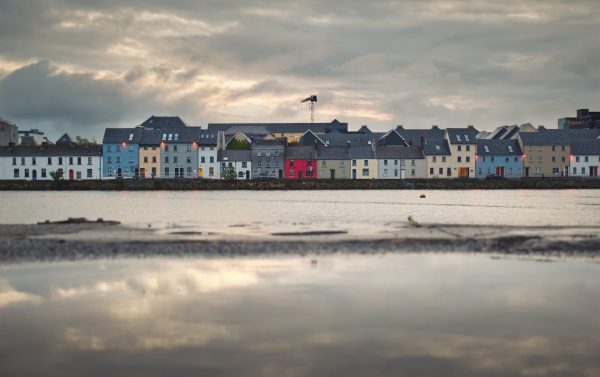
x=381 y=63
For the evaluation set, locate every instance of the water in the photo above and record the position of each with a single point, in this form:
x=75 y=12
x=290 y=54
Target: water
x=350 y=209
x=414 y=315
x=425 y=314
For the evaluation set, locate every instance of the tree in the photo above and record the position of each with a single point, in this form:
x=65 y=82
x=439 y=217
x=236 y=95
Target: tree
x=238 y=144
x=85 y=141
x=57 y=176
x=228 y=173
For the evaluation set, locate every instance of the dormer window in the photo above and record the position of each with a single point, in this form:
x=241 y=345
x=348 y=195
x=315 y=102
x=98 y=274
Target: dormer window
x=176 y=137
x=170 y=137
x=510 y=149
x=130 y=137
x=164 y=137
x=437 y=147
x=458 y=138
x=466 y=137
x=487 y=150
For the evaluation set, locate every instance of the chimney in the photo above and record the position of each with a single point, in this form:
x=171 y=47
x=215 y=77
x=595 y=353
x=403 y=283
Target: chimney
x=422 y=141
x=541 y=127
x=221 y=140
x=373 y=144
x=435 y=127
x=471 y=126
x=400 y=127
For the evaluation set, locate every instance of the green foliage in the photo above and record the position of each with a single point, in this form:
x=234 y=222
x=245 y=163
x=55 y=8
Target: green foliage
x=57 y=175
x=238 y=144
x=85 y=141
x=228 y=173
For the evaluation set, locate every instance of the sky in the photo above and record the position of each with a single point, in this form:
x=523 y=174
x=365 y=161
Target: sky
x=80 y=66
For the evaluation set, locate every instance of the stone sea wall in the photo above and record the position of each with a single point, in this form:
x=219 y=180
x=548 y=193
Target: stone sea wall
x=199 y=184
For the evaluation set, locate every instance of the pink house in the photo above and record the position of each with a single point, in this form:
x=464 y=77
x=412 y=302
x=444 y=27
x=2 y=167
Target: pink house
x=300 y=163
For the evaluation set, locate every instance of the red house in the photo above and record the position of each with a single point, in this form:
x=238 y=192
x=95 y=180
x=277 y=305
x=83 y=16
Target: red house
x=300 y=163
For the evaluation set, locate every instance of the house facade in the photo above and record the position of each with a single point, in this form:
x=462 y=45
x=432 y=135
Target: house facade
x=333 y=163
x=120 y=152
x=363 y=163
x=300 y=163
x=9 y=133
x=463 y=148
x=179 y=152
x=208 y=150
x=149 y=149
x=77 y=162
x=499 y=157
x=268 y=158
x=585 y=159
x=240 y=160
x=438 y=159
x=400 y=162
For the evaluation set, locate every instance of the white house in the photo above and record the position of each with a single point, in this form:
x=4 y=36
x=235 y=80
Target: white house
x=585 y=158
x=240 y=160
x=77 y=162
x=208 y=162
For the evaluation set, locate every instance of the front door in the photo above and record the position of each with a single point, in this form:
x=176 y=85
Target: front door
x=299 y=174
x=402 y=174
x=247 y=174
x=353 y=173
x=280 y=173
x=332 y=173
x=593 y=171
x=527 y=172
x=500 y=171
x=71 y=175
x=34 y=175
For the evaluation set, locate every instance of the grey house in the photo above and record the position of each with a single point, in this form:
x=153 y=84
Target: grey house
x=401 y=162
x=179 y=152
x=333 y=163
x=268 y=158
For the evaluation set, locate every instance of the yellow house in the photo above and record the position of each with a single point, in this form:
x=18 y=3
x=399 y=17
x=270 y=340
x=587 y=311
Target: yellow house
x=438 y=158
x=462 y=143
x=363 y=163
x=149 y=154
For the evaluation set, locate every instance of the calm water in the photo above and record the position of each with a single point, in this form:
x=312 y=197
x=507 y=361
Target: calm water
x=413 y=315
x=336 y=315
x=352 y=209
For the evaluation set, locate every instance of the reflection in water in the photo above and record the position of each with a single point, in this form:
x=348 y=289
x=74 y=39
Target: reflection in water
x=425 y=314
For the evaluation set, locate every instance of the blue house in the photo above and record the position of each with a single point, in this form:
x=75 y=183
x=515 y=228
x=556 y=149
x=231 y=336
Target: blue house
x=120 y=152
x=500 y=157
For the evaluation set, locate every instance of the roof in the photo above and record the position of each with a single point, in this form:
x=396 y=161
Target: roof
x=362 y=153
x=490 y=147
x=122 y=135
x=413 y=136
x=558 y=136
x=163 y=122
x=300 y=153
x=284 y=127
x=340 y=139
x=268 y=142
x=333 y=153
x=52 y=150
x=436 y=148
x=502 y=132
x=399 y=152
x=586 y=147
x=182 y=135
x=207 y=137
x=234 y=155
x=151 y=137
x=466 y=135
x=65 y=139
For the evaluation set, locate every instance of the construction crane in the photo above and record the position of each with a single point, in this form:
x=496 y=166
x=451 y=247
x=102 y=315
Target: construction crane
x=312 y=99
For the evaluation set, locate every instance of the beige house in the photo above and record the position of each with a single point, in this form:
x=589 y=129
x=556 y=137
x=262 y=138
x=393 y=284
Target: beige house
x=462 y=143
x=149 y=154
x=546 y=154
x=438 y=160
x=363 y=163
x=333 y=163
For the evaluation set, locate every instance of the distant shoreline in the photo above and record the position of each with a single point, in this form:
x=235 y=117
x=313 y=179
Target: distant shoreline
x=375 y=184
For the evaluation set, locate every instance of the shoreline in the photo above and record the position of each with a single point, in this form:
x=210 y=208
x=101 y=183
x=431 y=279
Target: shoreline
x=46 y=243
x=561 y=183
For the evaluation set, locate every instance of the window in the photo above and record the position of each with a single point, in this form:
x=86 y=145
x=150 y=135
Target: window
x=540 y=159
x=441 y=171
x=15 y=160
x=268 y=154
x=468 y=158
x=44 y=173
x=153 y=148
x=78 y=175
x=145 y=159
x=562 y=148
x=259 y=164
x=585 y=159
x=70 y=160
x=434 y=159
x=164 y=136
x=211 y=159
x=78 y=160
x=170 y=137
x=583 y=170
x=16 y=173
x=26 y=175
x=574 y=170
x=395 y=172
x=60 y=160
x=509 y=171
x=553 y=148
x=492 y=158
x=211 y=171
x=510 y=148
x=459 y=148
x=553 y=158
x=189 y=159
x=291 y=163
x=175 y=148
x=130 y=137
x=166 y=147
x=276 y=153
x=555 y=171
x=154 y=159
x=486 y=148
x=291 y=174
x=468 y=147
x=413 y=162
x=385 y=162
x=109 y=160
x=564 y=159
x=365 y=172
x=153 y=171
x=110 y=171
x=131 y=160
x=189 y=148
x=366 y=162
x=449 y=172
x=118 y=148
x=443 y=158
x=538 y=170
x=189 y=170
x=166 y=159
x=175 y=159
x=89 y=160
x=396 y=162
x=33 y=161
x=385 y=172
x=240 y=174
x=89 y=173
x=131 y=148
x=530 y=158
x=458 y=159
x=430 y=171
x=353 y=162
x=413 y=172
x=479 y=171
x=22 y=160
x=466 y=137
x=244 y=164
x=109 y=148
x=167 y=172
x=458 y=138
x=202 y=160
x=483 y=159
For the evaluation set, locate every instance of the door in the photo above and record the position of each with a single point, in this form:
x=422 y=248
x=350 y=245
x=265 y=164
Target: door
x=593 y=171
x=402 y=174
x=71 y=175
x=34 y=175
x=299 y=174
x=143 y=172
x=247 y=174
x=463 y=172
x=353 y=173
x=332 y=173
x=527 y=172
x=280 y=173
x=500 y=171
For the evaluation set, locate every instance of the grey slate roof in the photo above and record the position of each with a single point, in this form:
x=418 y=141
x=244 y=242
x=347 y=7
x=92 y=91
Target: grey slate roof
x=268 y=143
x=300 y=153
x=399 y=152
x=360 y=153
x=164 y=122
x=413 y=136
x=182 y=135
x=467 y=135
x=341 y=139
x=435 y=147
x=558 y=136
x=207 y=137
x=52 y=150
x=122 y=135
x=285 y=127
x=234 y=155
x=333 y=153
x=495 y=147
x=586 y=148
x=248 y=130
x=151 y=137
x=65 y=139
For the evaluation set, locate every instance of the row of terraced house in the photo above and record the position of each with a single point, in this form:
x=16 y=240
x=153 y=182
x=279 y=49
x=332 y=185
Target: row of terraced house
x=166 y=148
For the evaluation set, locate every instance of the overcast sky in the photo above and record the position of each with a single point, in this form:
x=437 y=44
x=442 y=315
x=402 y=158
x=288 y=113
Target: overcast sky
x=83 y=65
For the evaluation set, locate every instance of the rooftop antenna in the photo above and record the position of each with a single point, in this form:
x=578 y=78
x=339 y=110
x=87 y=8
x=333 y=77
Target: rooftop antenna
x=312 y=99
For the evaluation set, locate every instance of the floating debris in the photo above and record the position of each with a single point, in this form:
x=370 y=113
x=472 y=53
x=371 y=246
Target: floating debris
x=80 y=220
x=422 y=196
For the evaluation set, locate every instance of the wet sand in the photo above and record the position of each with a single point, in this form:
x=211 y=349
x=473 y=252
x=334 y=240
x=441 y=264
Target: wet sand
x=50 y=242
